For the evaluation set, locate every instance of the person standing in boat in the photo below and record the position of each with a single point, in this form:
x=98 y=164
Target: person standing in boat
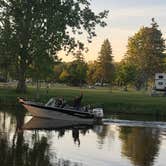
x=77 y=101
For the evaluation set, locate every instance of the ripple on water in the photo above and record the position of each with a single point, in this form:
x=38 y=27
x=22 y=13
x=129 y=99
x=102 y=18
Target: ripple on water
x=132 y=123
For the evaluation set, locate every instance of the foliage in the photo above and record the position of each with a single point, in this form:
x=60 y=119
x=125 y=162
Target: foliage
x=73 y=73
x=126 y=73
x=45 y=26
x=77 y=70
x=146 y=50
x=58 y=69
x=64 y=76
x=105 y=67
x=93 y=75
x=6 y=60
x=41 y=68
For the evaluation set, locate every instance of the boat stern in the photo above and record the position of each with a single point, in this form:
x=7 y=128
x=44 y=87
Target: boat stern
x=98 y=113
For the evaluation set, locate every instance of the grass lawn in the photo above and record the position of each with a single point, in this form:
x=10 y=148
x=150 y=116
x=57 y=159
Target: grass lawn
x=114 y=101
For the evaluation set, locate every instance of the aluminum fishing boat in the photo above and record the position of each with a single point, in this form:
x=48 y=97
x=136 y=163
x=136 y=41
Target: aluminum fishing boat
x=66 y=113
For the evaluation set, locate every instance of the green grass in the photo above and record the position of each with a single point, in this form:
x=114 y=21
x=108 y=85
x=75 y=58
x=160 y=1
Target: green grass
x=112 y=101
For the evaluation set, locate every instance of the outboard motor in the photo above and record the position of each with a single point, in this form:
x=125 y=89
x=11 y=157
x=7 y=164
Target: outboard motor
x=98 y=113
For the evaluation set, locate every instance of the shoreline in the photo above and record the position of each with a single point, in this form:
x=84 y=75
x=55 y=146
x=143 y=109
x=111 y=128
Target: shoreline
x=116 y=102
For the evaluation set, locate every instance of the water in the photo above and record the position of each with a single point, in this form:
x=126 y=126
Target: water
x=120 y=141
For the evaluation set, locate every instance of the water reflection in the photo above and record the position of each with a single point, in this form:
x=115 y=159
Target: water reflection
x=138 y=117
x=14 y=150
x=140 y=145
x=26 y=141
x=59 y=126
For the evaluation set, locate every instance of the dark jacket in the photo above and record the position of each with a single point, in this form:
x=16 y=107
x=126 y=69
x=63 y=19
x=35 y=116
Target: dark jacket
x=77 y=101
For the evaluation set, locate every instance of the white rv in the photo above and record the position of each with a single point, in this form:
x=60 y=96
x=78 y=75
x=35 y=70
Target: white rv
x=160 y=81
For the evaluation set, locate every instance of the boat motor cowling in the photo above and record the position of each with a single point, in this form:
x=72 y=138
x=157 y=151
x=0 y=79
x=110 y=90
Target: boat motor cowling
x=98 y=112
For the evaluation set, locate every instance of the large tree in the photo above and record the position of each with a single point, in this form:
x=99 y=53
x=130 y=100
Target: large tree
x=37 y=25
x=77 y=70
x=146 y=50
x=94 y=74
x=126 y=73
x=6 y=60
x=105 y=59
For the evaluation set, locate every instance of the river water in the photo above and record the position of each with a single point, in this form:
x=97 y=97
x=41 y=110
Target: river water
x=120 y=141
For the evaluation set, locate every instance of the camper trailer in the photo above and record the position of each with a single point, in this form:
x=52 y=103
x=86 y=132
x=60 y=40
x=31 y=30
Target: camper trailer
x=160 y=81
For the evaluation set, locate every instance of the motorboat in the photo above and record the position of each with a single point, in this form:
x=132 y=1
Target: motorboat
x=65 y=112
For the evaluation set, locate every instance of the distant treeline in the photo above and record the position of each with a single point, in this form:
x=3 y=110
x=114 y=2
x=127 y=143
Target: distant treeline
x=144 y=57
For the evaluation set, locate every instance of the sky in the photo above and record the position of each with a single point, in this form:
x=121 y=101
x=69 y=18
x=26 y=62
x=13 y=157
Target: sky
x=125 y=18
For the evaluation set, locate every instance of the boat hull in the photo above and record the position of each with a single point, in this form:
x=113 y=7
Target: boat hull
x=56 y=115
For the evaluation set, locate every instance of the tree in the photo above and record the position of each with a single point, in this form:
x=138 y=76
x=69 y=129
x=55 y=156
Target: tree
x=6 y=60
x=58 y=69
x=126 y=73
x=77 y=70
x=41 y=69
x=93 y=74
x=46 y=25
x=105 y=62
x=64 y=76
x=146 y=50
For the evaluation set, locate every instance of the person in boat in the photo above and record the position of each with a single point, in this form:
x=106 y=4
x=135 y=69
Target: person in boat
x=77 y=101
x=60 y=102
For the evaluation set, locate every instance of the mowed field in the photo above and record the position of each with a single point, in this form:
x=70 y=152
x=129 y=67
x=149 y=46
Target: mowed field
x=114 y=101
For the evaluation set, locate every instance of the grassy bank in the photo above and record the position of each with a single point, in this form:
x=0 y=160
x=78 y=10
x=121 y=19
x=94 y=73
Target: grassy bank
x=112 y=101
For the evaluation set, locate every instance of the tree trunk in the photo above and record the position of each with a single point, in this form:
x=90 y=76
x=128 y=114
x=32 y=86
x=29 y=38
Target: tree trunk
x=125 y=88
x=37 y=89
x=102 y=82
x=145 y=81
x=4 y=121
x=146 y=85
x=6 y=74
x=21 y=86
